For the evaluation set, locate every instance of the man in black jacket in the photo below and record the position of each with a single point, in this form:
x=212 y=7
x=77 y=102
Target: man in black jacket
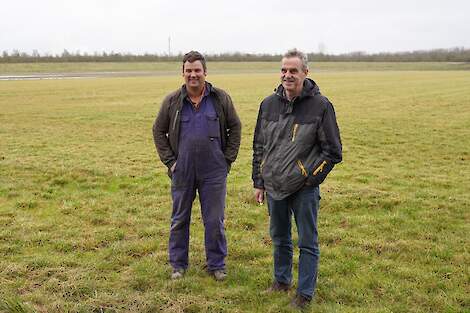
x=296 y=144
x=197 y=135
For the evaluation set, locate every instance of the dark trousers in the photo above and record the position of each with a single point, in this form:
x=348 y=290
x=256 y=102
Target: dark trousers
x=212 y=191
x=304 y=205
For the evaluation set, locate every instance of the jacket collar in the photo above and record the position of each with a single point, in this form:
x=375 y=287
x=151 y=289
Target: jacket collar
x=184 y=91
x=309 y=89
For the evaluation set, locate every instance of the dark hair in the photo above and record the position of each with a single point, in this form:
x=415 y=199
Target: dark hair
x=193 y=56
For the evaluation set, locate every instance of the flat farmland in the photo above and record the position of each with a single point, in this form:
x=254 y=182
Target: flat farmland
x=165 y=68
x=85 y=204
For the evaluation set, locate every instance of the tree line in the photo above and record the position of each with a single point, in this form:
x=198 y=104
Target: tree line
x=457 y=54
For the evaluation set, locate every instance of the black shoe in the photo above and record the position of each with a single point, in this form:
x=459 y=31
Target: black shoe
x=300 y=302
x=278 y=287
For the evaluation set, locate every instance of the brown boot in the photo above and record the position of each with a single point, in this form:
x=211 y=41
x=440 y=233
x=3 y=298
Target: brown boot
x=278 y=287
x=300 y=302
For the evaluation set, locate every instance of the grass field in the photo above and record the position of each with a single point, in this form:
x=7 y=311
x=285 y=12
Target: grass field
x=174 y=68
x=85 y=205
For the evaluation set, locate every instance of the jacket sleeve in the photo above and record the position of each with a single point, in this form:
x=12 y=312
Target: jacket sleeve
x=160 y=134
x=330 y=144
x=258 y=142
x=234 y=130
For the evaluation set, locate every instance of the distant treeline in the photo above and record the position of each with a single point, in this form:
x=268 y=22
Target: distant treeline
x=436 y=55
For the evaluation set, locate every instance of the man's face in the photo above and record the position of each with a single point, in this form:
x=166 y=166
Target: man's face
x=292 y=74
x=194 y=75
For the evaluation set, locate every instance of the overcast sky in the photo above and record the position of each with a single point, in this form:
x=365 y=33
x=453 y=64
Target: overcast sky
x=217 y=26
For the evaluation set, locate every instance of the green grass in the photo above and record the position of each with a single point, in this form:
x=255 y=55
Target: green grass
x=174 y=68
x=85 y=204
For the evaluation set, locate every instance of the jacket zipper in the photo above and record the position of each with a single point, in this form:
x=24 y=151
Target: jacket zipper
x=319 y=168
x=294 y=131
x=302 y=168
x=176 y=117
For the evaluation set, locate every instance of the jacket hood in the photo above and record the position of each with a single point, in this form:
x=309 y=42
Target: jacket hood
x=310 y=89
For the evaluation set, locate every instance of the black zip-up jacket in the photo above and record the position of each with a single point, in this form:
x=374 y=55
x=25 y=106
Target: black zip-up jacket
x=295 y=142
x=167 y=125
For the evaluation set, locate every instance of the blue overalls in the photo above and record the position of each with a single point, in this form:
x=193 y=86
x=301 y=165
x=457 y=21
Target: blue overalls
x=200 y=165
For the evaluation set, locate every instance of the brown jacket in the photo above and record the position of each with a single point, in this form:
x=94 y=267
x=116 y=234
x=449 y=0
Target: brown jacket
x=167 y=125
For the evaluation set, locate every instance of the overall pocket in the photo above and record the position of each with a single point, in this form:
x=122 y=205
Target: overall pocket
x=184 y=122
x=213 y=129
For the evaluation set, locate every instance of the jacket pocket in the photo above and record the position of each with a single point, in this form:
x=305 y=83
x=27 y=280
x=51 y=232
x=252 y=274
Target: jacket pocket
x=304 y=134
x=302 y=169
x=294 y=131
x=319 y=169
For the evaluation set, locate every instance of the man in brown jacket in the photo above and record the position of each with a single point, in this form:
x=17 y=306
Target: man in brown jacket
x=197 y=135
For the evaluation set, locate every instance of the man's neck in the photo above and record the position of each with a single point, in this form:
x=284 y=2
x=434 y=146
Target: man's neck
x=291 y=95
x=195 y=92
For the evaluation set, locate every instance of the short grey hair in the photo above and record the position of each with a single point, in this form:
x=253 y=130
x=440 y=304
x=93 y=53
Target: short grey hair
x=294 y=53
